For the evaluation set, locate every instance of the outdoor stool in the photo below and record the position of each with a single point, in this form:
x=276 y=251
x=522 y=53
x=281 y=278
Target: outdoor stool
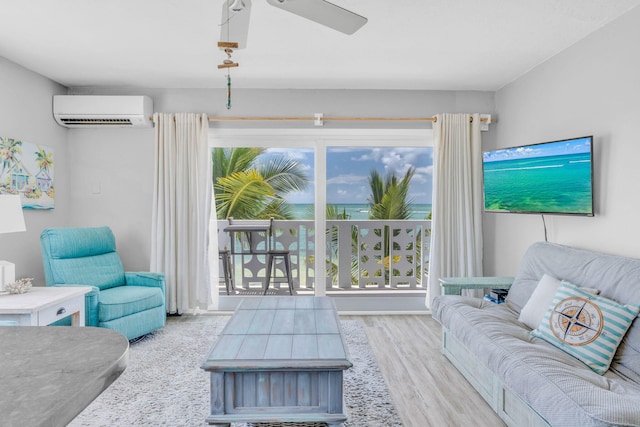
x=223 y=255
x=272 y=258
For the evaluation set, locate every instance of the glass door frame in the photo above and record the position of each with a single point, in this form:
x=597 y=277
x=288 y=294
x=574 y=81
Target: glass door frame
x=319 y=140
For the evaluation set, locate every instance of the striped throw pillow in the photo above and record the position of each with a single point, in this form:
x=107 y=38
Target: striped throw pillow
x=588 y=327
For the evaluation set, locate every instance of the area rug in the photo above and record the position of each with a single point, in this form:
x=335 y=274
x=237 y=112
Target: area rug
x=163 y=384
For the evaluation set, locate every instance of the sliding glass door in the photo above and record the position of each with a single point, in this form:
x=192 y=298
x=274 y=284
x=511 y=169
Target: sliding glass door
x=350 y=183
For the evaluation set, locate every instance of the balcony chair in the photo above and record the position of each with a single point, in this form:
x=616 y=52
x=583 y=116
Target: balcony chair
x=132 y=303
x=257 y=233
x=273 y=255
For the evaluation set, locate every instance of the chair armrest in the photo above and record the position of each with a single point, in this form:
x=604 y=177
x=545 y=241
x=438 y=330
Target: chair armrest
x=91 y=299
x=143 y=278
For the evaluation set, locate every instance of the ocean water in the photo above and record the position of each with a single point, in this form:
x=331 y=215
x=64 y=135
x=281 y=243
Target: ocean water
x=553 y=184
x=356 y=211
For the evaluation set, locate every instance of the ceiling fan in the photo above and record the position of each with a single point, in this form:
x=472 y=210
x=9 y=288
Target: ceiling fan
x=235 y=17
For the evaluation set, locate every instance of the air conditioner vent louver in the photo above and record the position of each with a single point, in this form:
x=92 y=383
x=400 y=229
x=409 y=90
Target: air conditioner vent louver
x=107 y=122
x=94 y=111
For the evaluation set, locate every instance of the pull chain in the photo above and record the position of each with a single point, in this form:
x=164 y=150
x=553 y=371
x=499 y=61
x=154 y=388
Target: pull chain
x=229 y=57
x=228 y=91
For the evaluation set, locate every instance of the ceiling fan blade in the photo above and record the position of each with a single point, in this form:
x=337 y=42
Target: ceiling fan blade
x=234 y=25
x=323 y=12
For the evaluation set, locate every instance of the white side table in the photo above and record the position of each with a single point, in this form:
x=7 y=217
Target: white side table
x=42 y=306
x=455 y=285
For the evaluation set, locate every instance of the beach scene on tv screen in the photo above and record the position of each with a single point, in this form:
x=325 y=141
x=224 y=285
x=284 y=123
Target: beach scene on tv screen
x=550 y=177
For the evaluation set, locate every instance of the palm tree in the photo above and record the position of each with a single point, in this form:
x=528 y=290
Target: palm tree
x=44 y=159
x=333 y=213
x=247 y=189
x=9 y=149
x=388 y=200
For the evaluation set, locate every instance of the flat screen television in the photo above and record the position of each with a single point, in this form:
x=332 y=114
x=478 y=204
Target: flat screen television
x=553 y=177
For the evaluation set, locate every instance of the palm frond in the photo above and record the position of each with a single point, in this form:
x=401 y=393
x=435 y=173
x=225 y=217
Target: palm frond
x=284 y=174
x=229 y=160
x=276 y=208
x=388 y=199
x=241 y=194
x=377 y=187
x=243 y=158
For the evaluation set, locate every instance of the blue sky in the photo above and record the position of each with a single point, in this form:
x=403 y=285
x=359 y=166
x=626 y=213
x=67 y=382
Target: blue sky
x=348 y=171
x=574 y=146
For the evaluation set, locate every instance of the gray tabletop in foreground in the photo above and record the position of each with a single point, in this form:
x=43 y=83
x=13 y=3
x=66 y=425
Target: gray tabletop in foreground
x=50 y=374
x=279 y=359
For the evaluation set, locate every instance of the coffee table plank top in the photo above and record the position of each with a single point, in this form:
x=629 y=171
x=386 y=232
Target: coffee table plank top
x=279 y=347
x=281 y=333
x=285 y=319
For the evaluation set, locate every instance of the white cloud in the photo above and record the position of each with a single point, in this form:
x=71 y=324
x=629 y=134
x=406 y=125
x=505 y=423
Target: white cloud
x=292 y=153
x=347 y=179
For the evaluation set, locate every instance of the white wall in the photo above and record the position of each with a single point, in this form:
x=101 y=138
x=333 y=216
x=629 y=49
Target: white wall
x=105 y=176
x=111 y=184
x=120 y=161
x=591 y=88
x=25 y=114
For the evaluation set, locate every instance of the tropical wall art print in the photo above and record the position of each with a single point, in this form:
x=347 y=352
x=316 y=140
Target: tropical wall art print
x=27 y=169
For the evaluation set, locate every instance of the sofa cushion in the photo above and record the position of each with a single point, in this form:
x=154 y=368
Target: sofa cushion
x=586 y=326
x=534 y=310
x=537 y=305
x=558 y=386
x=125 y=300
x=617 y=278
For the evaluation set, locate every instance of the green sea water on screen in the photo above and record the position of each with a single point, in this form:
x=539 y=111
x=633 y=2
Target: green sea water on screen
x=552 y=184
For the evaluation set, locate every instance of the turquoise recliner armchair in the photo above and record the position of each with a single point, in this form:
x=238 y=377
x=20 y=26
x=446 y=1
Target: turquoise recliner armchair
x=130 y=303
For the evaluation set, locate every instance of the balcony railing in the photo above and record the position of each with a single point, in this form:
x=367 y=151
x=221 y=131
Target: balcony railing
x=360 y=255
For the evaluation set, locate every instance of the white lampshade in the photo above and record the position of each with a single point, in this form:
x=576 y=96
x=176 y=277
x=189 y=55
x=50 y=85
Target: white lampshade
x=11 y=217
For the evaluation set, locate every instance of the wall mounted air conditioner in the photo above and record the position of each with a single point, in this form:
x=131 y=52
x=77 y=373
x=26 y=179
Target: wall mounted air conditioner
x=91 y=111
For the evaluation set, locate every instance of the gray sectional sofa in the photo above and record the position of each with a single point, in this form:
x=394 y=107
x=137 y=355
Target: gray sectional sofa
x=527 y=380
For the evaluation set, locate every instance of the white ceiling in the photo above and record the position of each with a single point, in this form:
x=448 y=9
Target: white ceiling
x=407 y=44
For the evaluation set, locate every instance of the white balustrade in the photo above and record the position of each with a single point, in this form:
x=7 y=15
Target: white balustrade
x=360 y=254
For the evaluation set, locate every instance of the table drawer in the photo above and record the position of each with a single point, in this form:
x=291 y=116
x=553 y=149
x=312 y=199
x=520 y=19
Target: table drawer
x=60 y=311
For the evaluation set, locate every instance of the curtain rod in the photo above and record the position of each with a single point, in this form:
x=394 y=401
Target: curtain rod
x=321 y=118
x=221 y=119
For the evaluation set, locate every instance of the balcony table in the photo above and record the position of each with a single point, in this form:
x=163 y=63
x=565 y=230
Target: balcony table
x=250 y=230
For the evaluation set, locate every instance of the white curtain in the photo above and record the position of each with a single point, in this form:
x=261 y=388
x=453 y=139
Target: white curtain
x=456 y=227
x=182 y=206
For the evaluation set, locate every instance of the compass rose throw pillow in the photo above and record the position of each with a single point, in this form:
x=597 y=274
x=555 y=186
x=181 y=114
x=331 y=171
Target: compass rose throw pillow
x=588 y=327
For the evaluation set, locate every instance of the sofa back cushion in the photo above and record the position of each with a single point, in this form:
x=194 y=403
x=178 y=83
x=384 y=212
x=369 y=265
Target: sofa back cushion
x=587 y=326
x=617 y=278
x=83 y=256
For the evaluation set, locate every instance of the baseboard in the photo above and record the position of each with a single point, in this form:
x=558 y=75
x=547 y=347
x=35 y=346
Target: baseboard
x=356 y=305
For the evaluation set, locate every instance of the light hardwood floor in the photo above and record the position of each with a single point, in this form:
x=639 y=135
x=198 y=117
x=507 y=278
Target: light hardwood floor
x=425 y=387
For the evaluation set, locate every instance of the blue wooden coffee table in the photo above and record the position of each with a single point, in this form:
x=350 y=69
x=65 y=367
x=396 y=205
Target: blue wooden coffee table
x=279 y=359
